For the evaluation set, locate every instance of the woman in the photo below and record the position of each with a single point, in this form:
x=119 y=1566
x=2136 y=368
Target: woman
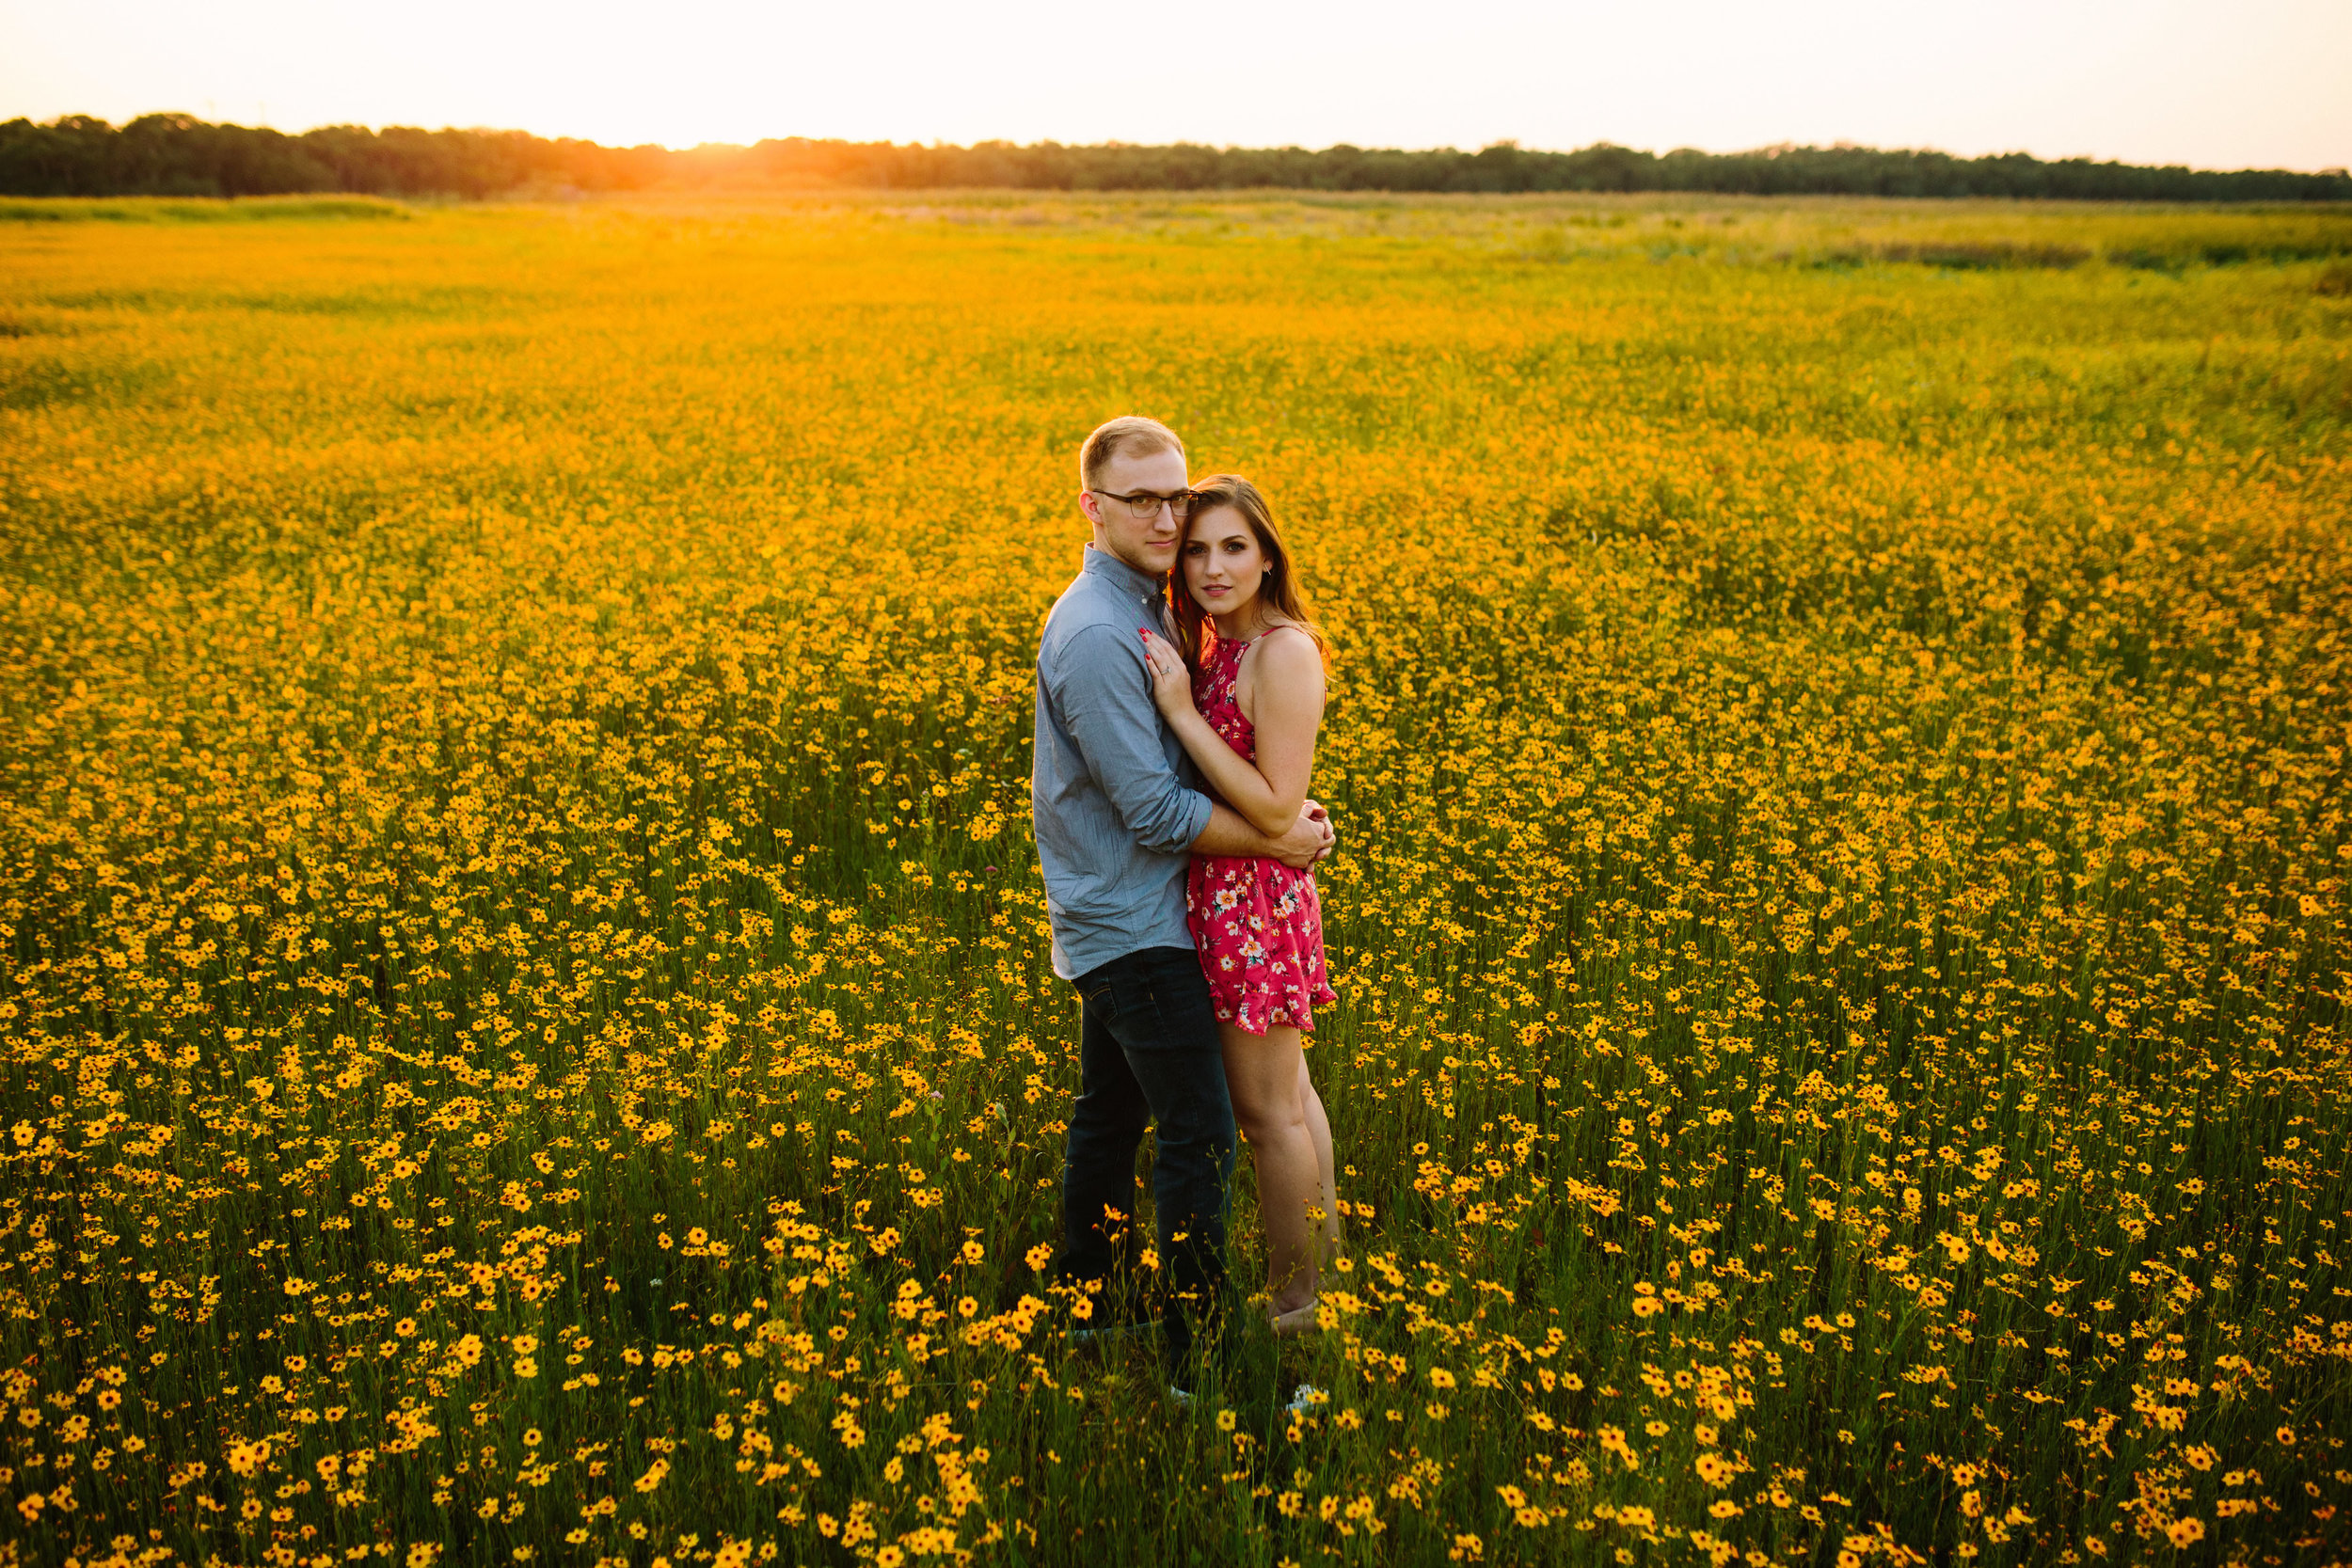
x=1243 y=632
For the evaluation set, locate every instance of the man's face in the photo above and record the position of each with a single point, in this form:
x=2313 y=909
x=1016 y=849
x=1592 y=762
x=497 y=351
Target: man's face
x=1149 y=543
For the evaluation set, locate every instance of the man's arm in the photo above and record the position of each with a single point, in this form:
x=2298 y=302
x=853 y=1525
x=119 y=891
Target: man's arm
x=1306 y=841
x=1105 y=697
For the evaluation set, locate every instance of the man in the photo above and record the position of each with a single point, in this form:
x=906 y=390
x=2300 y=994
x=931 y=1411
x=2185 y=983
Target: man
x=1116 y=823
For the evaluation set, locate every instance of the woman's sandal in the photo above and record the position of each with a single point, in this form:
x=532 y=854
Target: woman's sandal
x=1297 y=1321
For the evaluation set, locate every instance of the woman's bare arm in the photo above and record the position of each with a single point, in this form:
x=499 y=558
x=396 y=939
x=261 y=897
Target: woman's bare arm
x=1287 y=685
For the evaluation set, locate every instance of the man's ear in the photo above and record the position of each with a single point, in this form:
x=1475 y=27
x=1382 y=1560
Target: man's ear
x=1089 y=508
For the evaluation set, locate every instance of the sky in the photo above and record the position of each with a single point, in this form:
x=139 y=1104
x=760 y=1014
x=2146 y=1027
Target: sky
x=2255 y=82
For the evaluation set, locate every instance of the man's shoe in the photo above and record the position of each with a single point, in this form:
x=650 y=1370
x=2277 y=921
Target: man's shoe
x=1180 y=1397
x=1305 y=1399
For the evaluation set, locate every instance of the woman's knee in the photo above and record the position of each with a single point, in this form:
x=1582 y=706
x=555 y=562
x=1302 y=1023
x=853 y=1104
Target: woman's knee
x=1277 y=1115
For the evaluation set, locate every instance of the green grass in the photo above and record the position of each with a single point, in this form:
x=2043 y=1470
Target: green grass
x=155 y=209
x=513 y=826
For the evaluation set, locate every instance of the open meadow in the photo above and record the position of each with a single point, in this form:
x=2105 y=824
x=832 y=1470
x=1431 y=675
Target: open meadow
x=525 y=1026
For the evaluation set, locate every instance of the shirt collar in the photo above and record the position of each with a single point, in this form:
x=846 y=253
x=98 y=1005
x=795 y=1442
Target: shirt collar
x=1120 y=574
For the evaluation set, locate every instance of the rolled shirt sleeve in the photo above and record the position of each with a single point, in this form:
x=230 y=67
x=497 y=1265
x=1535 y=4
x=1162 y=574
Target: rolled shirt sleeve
x=1102 y=688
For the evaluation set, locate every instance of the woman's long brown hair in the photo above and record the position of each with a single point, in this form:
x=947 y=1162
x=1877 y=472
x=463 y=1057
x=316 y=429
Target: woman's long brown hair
x=1279 y=597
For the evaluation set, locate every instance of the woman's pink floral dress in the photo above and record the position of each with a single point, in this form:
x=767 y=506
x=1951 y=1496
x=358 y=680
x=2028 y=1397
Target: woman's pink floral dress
x=1256 y=923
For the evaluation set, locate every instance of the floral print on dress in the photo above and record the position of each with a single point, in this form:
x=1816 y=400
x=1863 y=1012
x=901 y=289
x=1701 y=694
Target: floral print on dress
x=1256 y=923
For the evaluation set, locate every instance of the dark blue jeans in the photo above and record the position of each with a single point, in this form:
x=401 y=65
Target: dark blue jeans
x=1148 y=1052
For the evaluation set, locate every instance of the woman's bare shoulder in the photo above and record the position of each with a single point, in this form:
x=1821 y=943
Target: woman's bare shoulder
x=1288 y=639
x=1288 y=652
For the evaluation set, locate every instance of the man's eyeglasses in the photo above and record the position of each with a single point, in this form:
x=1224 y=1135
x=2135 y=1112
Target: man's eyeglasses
x=1143 y=505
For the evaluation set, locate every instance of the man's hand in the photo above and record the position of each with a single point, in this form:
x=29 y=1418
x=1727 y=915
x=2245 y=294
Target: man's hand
x=1306 y=840
x=1331 y=840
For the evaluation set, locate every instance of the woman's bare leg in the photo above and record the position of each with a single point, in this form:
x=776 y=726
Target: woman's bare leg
x=1319 y=1129
x=1264 y=1073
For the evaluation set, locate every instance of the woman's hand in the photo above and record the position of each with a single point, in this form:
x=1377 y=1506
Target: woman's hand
x=1171 y=683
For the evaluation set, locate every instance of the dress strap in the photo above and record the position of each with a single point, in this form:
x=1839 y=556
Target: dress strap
x=1285 y=625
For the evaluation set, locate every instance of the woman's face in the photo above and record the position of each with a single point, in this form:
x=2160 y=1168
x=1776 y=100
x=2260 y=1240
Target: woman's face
x=1224 y=565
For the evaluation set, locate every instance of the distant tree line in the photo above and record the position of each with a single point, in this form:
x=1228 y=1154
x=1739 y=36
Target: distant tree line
x=179 y=155
x=182 y=155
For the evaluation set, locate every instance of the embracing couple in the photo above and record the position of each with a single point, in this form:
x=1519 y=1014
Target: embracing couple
x=1185 y=916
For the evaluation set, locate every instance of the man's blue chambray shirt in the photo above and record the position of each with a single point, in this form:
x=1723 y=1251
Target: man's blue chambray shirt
x=1109 y=787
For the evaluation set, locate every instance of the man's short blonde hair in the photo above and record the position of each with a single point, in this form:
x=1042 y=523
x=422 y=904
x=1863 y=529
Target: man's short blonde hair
x=1129 y=433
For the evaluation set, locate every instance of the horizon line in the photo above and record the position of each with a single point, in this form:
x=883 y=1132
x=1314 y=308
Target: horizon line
x=1766 y=150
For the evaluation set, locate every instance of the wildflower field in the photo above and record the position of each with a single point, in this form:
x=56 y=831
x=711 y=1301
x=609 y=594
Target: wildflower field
x=525 y=1028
